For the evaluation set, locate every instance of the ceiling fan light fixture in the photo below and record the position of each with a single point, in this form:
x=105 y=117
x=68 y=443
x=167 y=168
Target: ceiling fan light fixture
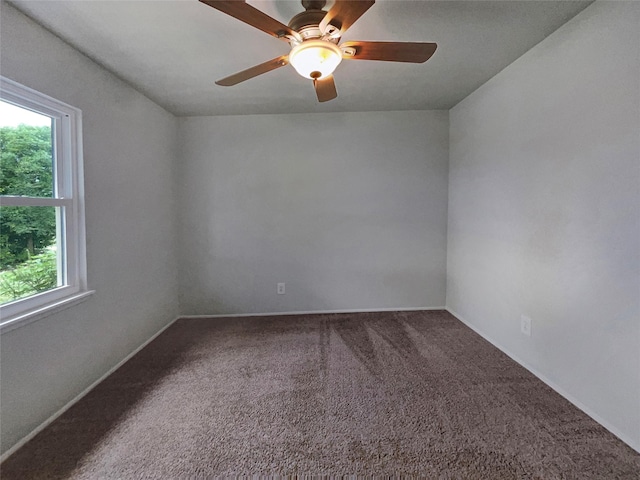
x=315 y=59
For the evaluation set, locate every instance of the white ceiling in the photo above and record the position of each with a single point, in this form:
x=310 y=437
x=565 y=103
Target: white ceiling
x=173 y=51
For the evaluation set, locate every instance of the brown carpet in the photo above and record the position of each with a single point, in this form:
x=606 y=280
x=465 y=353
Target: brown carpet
x=413 y=393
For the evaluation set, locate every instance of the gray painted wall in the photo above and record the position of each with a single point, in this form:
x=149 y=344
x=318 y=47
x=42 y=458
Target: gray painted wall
x=544 y=211
x=357 y=221
x=129 y=151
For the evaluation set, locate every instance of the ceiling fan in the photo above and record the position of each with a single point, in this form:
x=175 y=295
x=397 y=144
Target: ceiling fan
x=314 y=36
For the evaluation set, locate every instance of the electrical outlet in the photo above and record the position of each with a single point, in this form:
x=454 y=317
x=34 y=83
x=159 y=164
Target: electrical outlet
x=281 y=289
x=525 y=325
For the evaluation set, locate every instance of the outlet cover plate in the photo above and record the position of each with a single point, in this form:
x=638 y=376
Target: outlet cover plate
x=525 y=325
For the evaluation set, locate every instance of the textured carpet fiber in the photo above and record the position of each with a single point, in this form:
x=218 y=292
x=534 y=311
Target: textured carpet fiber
x=413 y=393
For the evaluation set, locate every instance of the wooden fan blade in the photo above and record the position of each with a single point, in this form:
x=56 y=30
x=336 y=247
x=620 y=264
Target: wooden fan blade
x=254 y=71
x=325 y=89
x=344 y=13
x=248 y=14
x=412 y=52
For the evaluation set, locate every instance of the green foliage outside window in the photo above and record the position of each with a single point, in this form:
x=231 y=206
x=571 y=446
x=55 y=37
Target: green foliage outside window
x=28 y=262
x=25 y=169
x=38 y=274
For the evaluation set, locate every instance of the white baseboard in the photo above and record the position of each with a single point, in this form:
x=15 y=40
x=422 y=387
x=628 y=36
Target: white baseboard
x=622 y=436
x=73 y=401
x=314 y=312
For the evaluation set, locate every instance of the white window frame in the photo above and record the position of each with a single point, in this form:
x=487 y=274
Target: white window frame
x=68 y=195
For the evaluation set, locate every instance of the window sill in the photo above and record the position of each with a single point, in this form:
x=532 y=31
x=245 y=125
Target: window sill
x=44 y=311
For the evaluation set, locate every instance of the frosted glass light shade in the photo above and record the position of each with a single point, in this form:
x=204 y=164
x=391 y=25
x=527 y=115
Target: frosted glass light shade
x=315 y=58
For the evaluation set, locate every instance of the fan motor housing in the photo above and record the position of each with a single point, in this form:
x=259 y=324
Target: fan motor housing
x=306 y=23
x=313 y=4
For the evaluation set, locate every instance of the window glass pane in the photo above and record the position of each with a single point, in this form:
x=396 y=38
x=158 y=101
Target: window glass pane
x=29 y=251
x=26 y=160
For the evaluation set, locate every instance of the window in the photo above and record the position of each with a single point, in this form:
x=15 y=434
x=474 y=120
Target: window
x=42 y=238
